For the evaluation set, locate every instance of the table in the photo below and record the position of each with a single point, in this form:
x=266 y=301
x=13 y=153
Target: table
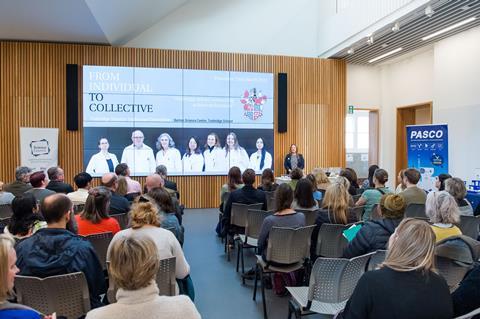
x=473 y=198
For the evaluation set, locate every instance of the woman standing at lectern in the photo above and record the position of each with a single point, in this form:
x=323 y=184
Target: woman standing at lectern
x=102 y=162
x=293 y=159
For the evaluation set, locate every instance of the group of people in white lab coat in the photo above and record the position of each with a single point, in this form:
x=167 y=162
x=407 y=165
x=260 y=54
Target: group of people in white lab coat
x=214 y=159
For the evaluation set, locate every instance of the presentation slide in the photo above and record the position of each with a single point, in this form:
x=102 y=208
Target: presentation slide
x=195 y=122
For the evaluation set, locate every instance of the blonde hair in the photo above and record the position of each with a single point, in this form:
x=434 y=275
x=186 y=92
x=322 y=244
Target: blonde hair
x=6 y=245
x=122 y=188
x=320 y=176
x=134 y=262
x=144 y=213
x=412 y=247
x=336 y=200
x=392 y=206
x=441 y=207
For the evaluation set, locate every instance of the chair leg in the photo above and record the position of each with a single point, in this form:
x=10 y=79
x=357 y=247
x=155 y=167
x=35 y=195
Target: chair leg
x=293 y=308
x=256 y=282
x=243 y=264
x=264 y=300
x=239 y=244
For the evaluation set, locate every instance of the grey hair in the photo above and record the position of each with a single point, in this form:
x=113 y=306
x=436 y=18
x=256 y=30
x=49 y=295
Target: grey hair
x=161 y=170
x=171 y=143
x=441 y=207
x=456 y=187
x=21 y=171
x=343 y=181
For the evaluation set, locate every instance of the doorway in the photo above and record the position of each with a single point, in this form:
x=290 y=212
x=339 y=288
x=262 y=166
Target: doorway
x=409 y=115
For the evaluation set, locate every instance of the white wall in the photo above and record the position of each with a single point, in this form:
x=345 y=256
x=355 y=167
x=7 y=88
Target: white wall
x=279 y=27
x=447 y=74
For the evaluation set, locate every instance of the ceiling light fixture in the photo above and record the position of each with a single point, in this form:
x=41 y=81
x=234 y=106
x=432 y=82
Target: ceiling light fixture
x=429 y=11
x=396 y=27
x=385 y=55
x=351 y=51
x=453 y=26
x=370 y=39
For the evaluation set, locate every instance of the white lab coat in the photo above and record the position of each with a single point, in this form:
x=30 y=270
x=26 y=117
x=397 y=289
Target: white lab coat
x=97 y=166
x=239 y=158
x=192 y=163
x=171 y=159
x=215 y=160
x=141 y=161
x=255 y=159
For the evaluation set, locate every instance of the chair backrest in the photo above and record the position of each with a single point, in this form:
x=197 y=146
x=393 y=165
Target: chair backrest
x=310 y=216
x=240 y=211
x=450 y=271
x=356 y=212
x=100 y=243
x=333 y=279
x=376 y=259
x=6 y=211
x=330 y=240
x=270 y=200
x=255 y=219
x=469 y=226
x=469 y=315
x=67 y=295
x=123 y=220
x=224 y=199
x=289 y=245
x=415 y=210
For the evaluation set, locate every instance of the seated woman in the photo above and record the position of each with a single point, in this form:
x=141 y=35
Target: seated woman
x=456 y=187
x=295 y=175
x=370 y=197
x=351 y=175
x=368 y=182
x=322 y=180
x=440 y=181
x=303 y=196
x=374 y=234
x=442 y=209
x=466 y=297
x=317 y=195
x=26 y=219
x=406 y=285
x=285 y=216
x=134 y=264
x=95 y=219
x=401 y=185
x=145 y=221
x=234 y=182
x=8 y=270
x=268 y=181
x=166 y=211
x=334 y=210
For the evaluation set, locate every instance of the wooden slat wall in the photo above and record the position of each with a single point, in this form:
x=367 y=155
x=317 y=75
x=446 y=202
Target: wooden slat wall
x=32 y=94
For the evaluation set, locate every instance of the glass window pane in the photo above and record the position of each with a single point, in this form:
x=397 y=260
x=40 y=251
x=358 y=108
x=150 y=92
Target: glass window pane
x=362 y=141
x=349 y=142
x=350 y=124
x=362 y=124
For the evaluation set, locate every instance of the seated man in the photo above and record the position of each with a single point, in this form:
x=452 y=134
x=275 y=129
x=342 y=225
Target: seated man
x=170 y=185
x=118 y=204
x=412 y=194
x=83 y=181
x=57 y=184
x=245 y=195
x=56 y=251
x=21 y=183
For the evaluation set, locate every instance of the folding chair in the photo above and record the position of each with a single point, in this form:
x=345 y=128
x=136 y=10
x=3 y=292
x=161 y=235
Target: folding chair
x=5 y=211
x=270 y=200
x=100 y=243
x=415 y=210
x=376 y=259
x=287 y=246
x=356 y=213
x=310 y=216
x=67 y=295
x=123 y=220
x=332 y=282
x=330 y=240
x=469 y=226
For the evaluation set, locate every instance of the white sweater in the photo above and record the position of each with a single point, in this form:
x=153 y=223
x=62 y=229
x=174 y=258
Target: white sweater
x=145 y=303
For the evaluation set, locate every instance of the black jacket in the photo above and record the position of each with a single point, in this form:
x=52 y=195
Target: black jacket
x=288 y=165
x=245 y=195
x=372 y=236
x=51 y=252
x=118 y=205
x=466 y=298
x=173 y=186
x=59 y=187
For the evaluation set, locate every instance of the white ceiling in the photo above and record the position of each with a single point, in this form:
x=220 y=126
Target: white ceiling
x=112 y=22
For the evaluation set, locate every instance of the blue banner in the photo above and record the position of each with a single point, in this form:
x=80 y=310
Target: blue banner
x=427 y=148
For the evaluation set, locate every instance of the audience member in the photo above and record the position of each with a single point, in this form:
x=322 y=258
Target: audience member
x=440 y=181
x=166 y=211
x=406 y=285
x=57 y=181
x=56 y=251
x=95 y=219
x=284 y=216
x=163 y=172
x=83 y=181
x=134 y=264
x=8 y=270
x=133 y=187
x=412 y=194
x=234 y=182
x=456 y=187
x=21 y=183
x=118 y=204
x=351 y=176
x=374 y=234
x=156 y=181
x=322 y=180
x=401 y=185
x=443 y=212
x=268 y=181
x=5 y=197
x=370 y=197
x=368 y=183
x=296 y=174
x=39 y=182
x=153 y=181
x=245 y=195
x=145 y=221
x=466 y=297
x=26 y=218
x=342 y=180
x=317 y=195
x=303 y=196
x=122 y=188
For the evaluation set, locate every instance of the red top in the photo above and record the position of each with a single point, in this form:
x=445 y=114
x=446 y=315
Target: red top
x=86 y=227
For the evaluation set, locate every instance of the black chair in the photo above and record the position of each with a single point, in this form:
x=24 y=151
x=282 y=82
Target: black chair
x=415 y=210
x=469 y=226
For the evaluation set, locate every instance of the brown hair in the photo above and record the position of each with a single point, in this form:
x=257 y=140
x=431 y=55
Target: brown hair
x=122 y=188
x=267 y=179
x=304 y=194
x=392 y=206
x=234 y=178
x=134 y=262
x=6 y=244
x=55 y=206
x=296 y=173
x=412 y=175
x=144 y=213
x=283 y=197
x=411 y=247
x=320 y=176
x=97 y=205
x=162 y=198
x=456 y=187
x=248 y=177
x=336 y=200
x=381 y=175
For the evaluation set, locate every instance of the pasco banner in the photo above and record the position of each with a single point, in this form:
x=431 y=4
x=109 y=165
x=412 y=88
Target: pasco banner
x=39 y=147
x=427 y=147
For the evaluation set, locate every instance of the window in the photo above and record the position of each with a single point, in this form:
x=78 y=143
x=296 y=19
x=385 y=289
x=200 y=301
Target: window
x=357 y=137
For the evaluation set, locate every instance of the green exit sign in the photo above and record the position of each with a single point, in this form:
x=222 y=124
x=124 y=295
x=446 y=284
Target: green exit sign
x=350 y=109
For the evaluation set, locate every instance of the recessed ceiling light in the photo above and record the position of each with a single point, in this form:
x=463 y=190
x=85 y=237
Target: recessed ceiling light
x=396 y=27
x=370 y=39
x=453 y=26
x=385 y=55
x=351 y=51
x=429 y=11
x=384 y=45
